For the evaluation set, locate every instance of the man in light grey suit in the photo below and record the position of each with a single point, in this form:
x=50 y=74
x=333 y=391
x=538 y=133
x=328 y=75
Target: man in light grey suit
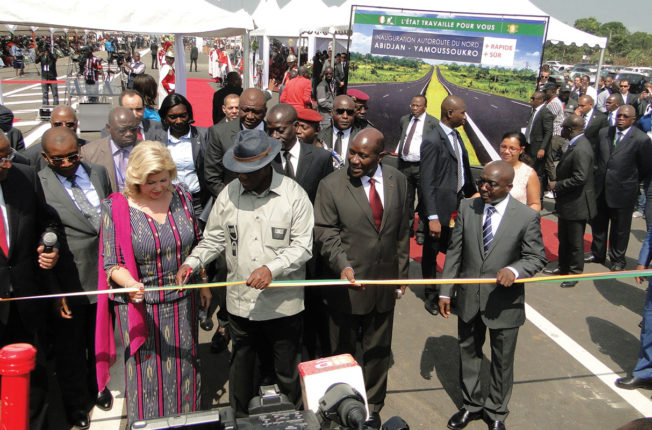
x=362 y=231
x=113 y=151
x=483 y=245
x=74 y=190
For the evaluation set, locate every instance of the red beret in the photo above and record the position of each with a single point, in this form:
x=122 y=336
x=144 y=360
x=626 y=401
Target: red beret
x=308 y=115
x=357 y=95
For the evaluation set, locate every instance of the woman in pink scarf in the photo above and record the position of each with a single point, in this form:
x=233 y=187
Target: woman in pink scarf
x=146 y=234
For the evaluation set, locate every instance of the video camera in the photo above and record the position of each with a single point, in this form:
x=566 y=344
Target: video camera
x=341 y=407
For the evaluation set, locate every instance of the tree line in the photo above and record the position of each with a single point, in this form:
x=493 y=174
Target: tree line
x=623 y=48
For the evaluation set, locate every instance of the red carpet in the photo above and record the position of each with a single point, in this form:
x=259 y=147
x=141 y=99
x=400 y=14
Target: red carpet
x=550 y=242
x=200 y=95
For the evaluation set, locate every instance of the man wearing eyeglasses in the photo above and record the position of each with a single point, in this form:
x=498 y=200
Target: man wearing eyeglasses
x=337 y=136
x=74 y=190
x=113 y=151
x=62 y=116
x=221 y=137
x=495 y=236
x=626 y=97
x=624 y=158
x=24 y=266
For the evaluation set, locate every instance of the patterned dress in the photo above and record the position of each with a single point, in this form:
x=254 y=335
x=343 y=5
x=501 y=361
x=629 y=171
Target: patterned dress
x=162 y=378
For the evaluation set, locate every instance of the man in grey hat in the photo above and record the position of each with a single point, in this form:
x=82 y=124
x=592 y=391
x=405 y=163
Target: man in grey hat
x=263 y=223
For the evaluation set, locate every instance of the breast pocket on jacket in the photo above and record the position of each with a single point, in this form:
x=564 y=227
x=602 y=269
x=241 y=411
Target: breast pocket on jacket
x=277 y=236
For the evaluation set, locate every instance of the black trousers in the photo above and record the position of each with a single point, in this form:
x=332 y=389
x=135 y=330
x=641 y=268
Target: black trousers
x=617 y=222
x=411 y=172
x=376 y=342
x=316 y=342
x=471 y=337
x=571 y=246
x=154 y=61
x=193 y=60
x=15 y=332
x=283 y=335
x=74 y=349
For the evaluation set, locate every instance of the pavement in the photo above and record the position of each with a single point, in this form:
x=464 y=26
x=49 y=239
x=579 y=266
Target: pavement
x=575 y=343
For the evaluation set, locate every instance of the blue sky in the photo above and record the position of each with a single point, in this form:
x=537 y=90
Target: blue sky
x=528 y=48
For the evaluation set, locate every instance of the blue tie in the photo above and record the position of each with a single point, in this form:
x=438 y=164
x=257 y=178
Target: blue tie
x=487 y=233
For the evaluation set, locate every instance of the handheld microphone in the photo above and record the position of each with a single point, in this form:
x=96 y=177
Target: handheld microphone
x=49 y=240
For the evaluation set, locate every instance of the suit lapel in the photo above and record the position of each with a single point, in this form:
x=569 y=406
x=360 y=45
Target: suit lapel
x=55 y=188
x=195 y=145
x=304 y=161
x=389 y=191
x=106 y=158
x=623 y=143
x=10 y=192
x=354 y=185
x=478 y=212
x=95 y=180
x=447 y=142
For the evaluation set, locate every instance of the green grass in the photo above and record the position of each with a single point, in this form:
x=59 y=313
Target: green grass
x=515 y=84
x=436 y=93
x=373 y=72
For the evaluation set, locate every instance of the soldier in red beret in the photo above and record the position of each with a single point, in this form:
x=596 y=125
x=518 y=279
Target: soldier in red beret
x=360 y=98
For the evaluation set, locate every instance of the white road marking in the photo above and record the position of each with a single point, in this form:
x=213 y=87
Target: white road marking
x=637 y=400
x=23 y=102
x=476 y=98
x=481 y=137
x=386 y=95
x=494 y=106
x=16 y=112
x=519 y=103
x=27 y=123
x=21 y=89
x=36 y=134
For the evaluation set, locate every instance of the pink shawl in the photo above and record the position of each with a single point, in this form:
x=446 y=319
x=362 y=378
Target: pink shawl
x=104 y=337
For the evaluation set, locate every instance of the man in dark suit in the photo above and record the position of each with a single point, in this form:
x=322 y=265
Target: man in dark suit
x=494 y=236
x=74 y=191
x=612 y=104
x=24 y=267
x=414 y=127
x=574 y=197
x=361 y=229
x=113 y=151
x=48 y=73
x=445 y=178
x=253 y=107
x=341 y=74
x=627 y=98
x=336 y=137
x=148 y=129
x=624 y=160
x=233 y=85
x=539 y=135
x=61 y=116
x=308 y=165
x=594 y=120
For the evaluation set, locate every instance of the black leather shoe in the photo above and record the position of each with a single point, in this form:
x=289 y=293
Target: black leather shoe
x=79 y=419
x=592 y=259
x=420 y=238
x=373 y=421
x=552 y=271
x=568 y=284
x=617 y=267
x=462 y=418
x=104 y=400
x=632 y=383
x=496 y=425
x=219 y=343
x=432 y=306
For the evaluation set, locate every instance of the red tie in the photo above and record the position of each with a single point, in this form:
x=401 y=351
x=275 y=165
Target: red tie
x=376 y=204
x=140 y=135
x=3 y=236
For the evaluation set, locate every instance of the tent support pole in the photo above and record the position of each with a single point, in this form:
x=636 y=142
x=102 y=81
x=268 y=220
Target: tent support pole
x=264 y=79
x=247 y=60
x=597 y=77
x=180 y=73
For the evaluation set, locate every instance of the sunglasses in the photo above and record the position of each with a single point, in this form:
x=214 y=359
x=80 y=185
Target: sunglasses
x=58 y=161
x=69 y=124
x=341 y=111
x=622 y=115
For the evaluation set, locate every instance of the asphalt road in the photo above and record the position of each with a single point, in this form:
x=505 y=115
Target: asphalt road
x=494 y=115
x=388 y=102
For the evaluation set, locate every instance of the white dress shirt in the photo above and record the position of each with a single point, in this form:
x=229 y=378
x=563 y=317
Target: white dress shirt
x=587 y=118
x=345 y=140
x=414 y=154
x=378 y=177
x=295 y=151
x=5 y=218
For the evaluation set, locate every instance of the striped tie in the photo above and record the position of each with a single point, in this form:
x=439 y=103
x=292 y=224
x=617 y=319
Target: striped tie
x=487 y=233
